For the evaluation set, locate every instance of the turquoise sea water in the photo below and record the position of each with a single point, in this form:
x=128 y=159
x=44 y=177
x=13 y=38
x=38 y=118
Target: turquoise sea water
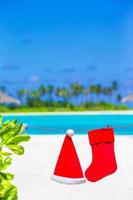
x=86 y=122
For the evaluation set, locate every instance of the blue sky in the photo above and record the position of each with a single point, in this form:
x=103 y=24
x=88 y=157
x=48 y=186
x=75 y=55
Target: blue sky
x=59 y=41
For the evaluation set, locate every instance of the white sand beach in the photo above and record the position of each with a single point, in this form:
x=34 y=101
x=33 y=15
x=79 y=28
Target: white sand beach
x=117 y=112
x=34 y=169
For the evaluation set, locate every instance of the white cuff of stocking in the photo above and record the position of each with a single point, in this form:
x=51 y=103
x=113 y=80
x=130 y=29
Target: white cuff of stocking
x=67 y=180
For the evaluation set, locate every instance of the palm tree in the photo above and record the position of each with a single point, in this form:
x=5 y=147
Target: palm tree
x=107 y=91
x=21 y=93
x=114 y=86
x=49 y=91
x=98 y=89
x=92 y=89
x=63 y=93
x=86 y=92
x=76 y=89
x=118 y=98
x=35 y=94
x=41 y=91
x=33 y=98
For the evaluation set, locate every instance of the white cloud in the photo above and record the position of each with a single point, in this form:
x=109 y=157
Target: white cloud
x=34 y=79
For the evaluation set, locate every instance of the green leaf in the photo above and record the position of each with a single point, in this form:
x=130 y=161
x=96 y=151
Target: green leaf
x=17 y=149
x=1 y=190
x=1 y=179
x=19 y=138
x=5 y=153
x=5 y=130
x=10 y=137
x=6 y=176
x=7 y=137
x=10 y=193
x=8 y=133
x=0 y=119
x=5 y=163
x=18 y=129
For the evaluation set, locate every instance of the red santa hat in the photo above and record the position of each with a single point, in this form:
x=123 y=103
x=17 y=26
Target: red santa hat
x=68 y=169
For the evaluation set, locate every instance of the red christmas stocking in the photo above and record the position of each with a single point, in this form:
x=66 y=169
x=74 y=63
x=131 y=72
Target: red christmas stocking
x=103 y=156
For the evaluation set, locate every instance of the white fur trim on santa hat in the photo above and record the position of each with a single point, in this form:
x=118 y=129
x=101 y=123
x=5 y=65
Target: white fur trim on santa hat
x=68 y=181
x=70 y=132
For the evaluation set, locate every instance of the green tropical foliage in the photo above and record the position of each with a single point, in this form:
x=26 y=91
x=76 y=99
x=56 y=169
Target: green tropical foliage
x=74 y=97
x=11 y=138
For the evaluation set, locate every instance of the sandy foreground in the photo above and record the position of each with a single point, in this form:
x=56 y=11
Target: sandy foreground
x=33 y=171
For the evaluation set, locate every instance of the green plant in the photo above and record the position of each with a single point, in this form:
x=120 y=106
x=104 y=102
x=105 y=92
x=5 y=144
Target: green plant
x=10 y=138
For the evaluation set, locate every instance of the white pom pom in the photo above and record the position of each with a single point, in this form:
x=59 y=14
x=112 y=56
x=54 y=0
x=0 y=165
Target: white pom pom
x=70 y=132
